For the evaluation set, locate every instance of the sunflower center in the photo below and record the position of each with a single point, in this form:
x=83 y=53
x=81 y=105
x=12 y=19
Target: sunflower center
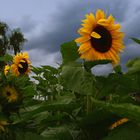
x=104 y=43
x=24 y=67
x=8 y=93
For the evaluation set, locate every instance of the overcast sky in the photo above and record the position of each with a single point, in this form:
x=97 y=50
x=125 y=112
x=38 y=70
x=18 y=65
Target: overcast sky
x=48 y=23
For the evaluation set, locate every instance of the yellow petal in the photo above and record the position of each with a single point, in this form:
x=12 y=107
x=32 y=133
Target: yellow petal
x=22 y=60
x=88 y=55
x=95 y=35
x=100 y=14
x=114 y=57
x=84 y=47
x=86 y=25
x=85 y=30
x=111 y=19
x=117 y=35
x=82 y=39
x=20 y=65
x=114 y=27
x=103 y=22
x=89 y=19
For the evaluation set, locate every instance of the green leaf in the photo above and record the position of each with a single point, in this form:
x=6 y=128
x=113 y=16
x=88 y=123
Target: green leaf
x=77 y=79
x=89 y=64
x=50 y=69
x=29 y=136
x=115 y=84
x=58 y=133
x=133 y=66
x=37 y=70
x=127 y=110
x=6 y=58
x=65 y=103
x=136 y=40
x=69 y=52
x=118 y=69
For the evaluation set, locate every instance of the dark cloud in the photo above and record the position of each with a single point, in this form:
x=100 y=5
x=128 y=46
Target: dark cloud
x=39 y=57
x=131 y=51
x=67 y=20
x=45 y=36
x=27 y=24
x=131 y=27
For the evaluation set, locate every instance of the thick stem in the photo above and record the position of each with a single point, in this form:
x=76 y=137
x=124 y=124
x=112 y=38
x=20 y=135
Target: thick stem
x=88 y=104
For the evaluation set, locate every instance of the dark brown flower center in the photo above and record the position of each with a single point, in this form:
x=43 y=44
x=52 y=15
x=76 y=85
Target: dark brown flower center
x=104 y=43
x=8 y=93
x=25 y=67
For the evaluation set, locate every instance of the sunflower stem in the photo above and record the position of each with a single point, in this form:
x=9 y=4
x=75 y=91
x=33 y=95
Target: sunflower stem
x=88 y=104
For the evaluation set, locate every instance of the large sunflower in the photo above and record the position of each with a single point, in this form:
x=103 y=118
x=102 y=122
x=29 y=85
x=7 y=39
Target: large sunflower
x=21 y=64
x=100 y=38
x=10 y=93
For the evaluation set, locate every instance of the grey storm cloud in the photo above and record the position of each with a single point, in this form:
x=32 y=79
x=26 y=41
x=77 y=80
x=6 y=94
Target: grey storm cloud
x=67 y=20
x=60 y=20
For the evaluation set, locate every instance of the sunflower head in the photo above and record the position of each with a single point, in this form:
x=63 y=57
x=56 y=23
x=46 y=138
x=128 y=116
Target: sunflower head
x=101 y=38
x=118 y=123
x=3 y=124
x=10 y=94
x=21 y=64
x=6 y=69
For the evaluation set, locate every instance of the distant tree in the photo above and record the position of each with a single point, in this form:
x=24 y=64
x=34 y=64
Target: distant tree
x=17 y=40
x=10 y=40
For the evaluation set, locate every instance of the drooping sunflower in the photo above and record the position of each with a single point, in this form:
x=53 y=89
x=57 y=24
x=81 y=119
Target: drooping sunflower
x=101 y=38
x=10 y=94
x=6 y=69
x=21 y=64
x=118 y=123
x=3 y=124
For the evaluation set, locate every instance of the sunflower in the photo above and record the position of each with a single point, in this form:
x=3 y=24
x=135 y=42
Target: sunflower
x=6 y=69
x=118 y=123
x=3 y=124
x=21 y=64
x=100 y=38
x=10 y=94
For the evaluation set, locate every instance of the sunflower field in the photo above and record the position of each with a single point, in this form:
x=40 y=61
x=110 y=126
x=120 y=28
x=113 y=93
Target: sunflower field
x=70 y=102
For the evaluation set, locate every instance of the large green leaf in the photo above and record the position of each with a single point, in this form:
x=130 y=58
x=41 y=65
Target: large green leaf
x=69 y=52
x=65 y=103
x=115 y=84
x=6 y=58
x=29 y=136
x=77 y=79
x=133 y=66
x=122 y=110
x=58 y=133
x=50 y=69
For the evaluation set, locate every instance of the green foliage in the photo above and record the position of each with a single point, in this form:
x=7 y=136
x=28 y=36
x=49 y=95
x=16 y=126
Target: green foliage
x=69 y=52
x=126 y=132
x=133 y=66
x=29 y=136
x=68 y=102
x=77 y=79
x=122 y=110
